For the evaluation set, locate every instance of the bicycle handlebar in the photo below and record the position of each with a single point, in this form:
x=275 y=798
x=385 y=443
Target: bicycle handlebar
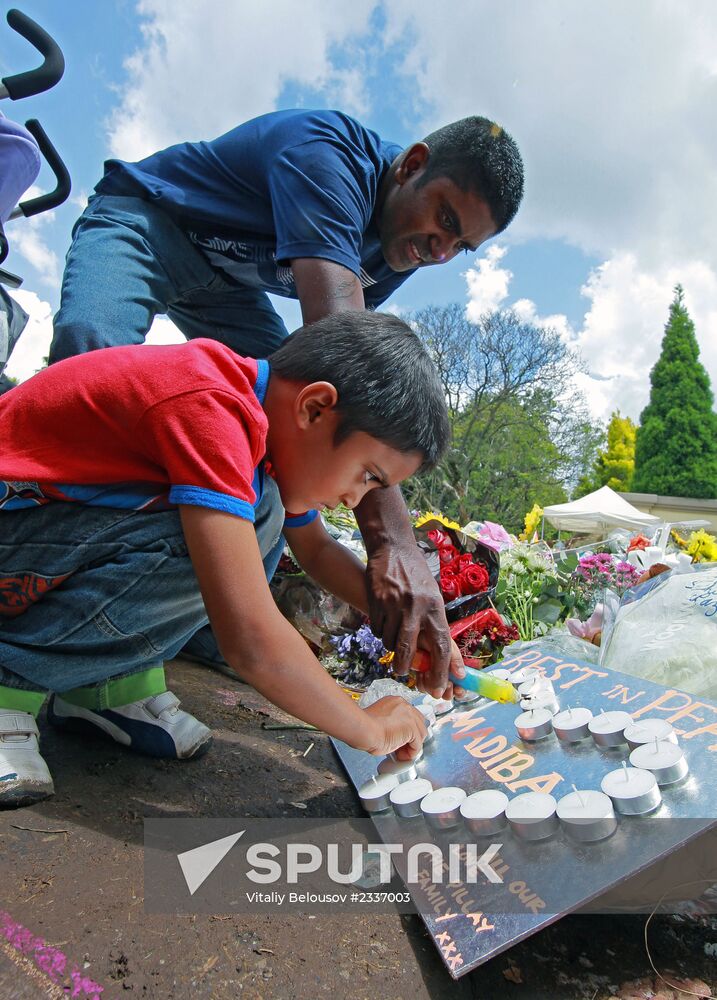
x=34 y=81
x=52 y=199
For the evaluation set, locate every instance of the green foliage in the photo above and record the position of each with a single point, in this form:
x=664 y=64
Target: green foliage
x=676 y=447
x=615 y=463
x=521 y=434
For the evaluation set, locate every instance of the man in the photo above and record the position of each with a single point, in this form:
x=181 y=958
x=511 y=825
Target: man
x=310 y=205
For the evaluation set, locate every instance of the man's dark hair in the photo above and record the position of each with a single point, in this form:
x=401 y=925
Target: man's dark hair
x=479 y=156
x=387 y=384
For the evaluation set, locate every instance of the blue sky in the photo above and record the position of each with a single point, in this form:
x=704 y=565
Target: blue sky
x=612 y=107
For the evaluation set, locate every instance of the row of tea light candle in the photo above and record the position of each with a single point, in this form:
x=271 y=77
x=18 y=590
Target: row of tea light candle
x=586 y=814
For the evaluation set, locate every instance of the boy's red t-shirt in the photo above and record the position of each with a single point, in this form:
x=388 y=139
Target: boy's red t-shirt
x=142 y=427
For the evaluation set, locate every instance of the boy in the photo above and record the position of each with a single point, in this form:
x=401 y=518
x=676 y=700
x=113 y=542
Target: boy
x=102 y=579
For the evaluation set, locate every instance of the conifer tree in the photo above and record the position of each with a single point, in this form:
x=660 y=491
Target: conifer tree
x=676 y=445
x=615 y=464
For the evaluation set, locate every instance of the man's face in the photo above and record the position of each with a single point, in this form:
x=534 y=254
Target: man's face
x=428 y=224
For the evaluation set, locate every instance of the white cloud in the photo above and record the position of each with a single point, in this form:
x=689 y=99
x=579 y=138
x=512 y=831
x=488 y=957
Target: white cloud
x=204 y=69
x=34 y=343
x=612 y=105
x=163 y=331
x=621 y=334
x=487 y=283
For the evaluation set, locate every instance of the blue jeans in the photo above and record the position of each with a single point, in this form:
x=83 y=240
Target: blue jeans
x=129 y=262
x=129 y=598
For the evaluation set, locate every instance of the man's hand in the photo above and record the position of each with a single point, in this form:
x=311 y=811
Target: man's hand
x=403 y=598
x=398 y=727
x=424 y=680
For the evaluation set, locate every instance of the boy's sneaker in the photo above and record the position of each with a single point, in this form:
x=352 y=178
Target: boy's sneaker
x=154 y=726
x=24 y=777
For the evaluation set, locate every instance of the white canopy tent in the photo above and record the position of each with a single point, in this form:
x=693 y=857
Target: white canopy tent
x=597 y=512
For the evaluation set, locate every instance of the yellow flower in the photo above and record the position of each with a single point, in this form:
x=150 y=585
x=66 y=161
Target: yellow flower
x=702 y=546
x=679 y=540
x=387 y=657
x=532 y=520
x=425 y=518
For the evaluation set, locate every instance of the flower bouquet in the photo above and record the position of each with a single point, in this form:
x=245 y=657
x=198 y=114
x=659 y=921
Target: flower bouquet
x=466 y=569
x=482 y=639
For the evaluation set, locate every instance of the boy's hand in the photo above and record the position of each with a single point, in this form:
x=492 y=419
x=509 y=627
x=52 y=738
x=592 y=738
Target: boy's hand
x=396 y=725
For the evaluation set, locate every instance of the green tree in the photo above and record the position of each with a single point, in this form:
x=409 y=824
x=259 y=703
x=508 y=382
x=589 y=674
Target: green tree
x=676 y=445
x=615 y=463
x=521 y=433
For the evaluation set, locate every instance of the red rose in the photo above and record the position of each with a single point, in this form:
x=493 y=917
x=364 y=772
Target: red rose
x=447 y=553
x=438 y=537
x=474 y=579
x=450 y=586
x=463 y=562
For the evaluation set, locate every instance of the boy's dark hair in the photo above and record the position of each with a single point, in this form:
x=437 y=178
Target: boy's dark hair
x=387 y=384
x=479 y=156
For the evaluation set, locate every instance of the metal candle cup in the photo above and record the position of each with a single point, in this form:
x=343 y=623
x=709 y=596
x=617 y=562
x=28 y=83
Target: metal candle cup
x=522 y=675
x=543 y=699
x=502 y=675
x=532 y=815
x=587 y=815
x=663 y=759
x=571 y=726
x=427 y=712
x=375 y=792
x=406 y=798
x=632 y=790
x=535 y=724
x=439 y=705
x=402 y=770
x=608 y=728
x=441 y=808
x=468 y=698
x=535 y=685
x=484 y=812
x=647 y=731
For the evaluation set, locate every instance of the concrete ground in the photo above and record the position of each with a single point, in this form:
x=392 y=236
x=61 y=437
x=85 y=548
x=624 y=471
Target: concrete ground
x=72 y=921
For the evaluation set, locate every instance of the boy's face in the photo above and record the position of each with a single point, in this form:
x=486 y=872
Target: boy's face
x=322 y=474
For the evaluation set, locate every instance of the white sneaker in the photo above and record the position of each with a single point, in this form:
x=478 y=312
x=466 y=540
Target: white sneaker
x=155 y=726
x=24 y=777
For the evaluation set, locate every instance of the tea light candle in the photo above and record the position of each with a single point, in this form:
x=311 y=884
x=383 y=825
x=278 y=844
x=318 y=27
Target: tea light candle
x=375 y=792
x=427 y=712
x=571 y=726
x=406 y=798
x=664 y=759
x=647 y=731
x=484 y=812
x=544 y=699
x=439 y=705
x=532 y=815
x=503 y=675
x=535 y=724
x=535 y=685
x=632 y=790
x=608 y=728
x=467 y=697
x=441 y=808
x=522 y=675
x=404 y=770
x=587 y=815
